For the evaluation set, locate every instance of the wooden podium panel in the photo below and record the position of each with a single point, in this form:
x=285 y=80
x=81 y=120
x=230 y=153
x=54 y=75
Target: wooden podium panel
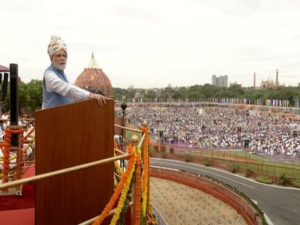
x=67 y=136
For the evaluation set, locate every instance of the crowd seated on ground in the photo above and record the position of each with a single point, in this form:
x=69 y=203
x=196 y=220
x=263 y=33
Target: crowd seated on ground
x=213 y=127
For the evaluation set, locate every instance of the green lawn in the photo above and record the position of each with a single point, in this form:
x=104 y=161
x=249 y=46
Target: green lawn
x=246 y=161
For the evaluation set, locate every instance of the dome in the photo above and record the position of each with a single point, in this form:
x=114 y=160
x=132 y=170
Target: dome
x=94 y=79
x=270 y=80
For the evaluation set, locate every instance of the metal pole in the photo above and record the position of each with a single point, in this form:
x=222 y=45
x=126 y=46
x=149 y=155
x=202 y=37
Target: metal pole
x=62 y=171
x=127 y=128
x=14 y=101
x=123 y=107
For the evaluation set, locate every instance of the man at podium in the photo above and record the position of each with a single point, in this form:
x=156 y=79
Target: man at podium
x=56 y=88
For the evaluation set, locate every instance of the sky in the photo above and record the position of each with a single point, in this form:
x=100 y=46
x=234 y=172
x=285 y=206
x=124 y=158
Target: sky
x=157 y=43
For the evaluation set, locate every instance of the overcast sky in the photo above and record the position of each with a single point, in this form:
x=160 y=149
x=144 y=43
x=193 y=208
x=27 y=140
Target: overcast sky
x=155 y=43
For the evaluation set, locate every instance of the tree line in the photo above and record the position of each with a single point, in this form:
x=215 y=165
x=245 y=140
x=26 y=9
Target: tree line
x=30 y=94
x=207 y=91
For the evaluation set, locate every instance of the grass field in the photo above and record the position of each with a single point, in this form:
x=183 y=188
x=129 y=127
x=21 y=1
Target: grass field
x=239 y=161
x=256 y=163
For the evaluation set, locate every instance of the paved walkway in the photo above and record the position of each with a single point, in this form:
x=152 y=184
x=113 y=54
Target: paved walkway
x=183 y=205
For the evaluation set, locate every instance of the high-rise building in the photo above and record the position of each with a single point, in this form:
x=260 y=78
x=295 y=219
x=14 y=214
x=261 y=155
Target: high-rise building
x=220 y=81
x=214 y=80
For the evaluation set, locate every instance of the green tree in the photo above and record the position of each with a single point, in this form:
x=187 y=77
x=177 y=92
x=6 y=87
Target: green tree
x=150 y=94
x=209 y=91
x=30 y=96
x=183 y=93
x=168 y=93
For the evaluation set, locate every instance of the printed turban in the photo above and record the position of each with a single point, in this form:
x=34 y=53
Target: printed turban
x=55 y=45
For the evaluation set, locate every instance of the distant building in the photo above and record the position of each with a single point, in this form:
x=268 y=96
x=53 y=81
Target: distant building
x=270 y=83
x=3 y=69
x=220 y=81
x=4 y=75
x=214 y=80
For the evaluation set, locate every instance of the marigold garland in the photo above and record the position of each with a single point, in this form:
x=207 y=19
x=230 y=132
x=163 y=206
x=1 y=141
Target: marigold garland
x=6 y=154
x=145 y=182
x=142 y=195
x=118 y=189
x=123 y=195
x=137 y=219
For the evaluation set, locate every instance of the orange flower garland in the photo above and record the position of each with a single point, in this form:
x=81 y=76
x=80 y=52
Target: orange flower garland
x=137 y=219
x=6 y=147
x=6 y=154
x=145 y=184
x=142 y=197
x=123 y=196
x=119 y=188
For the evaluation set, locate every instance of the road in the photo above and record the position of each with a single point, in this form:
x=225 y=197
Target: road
x=280 y=204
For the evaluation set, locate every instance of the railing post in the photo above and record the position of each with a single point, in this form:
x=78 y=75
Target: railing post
x=146 y=169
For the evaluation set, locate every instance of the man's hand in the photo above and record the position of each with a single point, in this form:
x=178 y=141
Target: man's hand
x=101 y=99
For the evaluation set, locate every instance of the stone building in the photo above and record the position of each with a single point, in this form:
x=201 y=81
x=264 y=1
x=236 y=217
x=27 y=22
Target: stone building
x=94 y=79
x=269 y=83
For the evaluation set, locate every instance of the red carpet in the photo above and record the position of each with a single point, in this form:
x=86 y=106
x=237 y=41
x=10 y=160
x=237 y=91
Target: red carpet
x=19 y=210
x=17 y=217
x=27 y=200
x=19 y=202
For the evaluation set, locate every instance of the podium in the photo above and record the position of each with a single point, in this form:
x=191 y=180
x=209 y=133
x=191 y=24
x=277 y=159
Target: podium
x=67 y=136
